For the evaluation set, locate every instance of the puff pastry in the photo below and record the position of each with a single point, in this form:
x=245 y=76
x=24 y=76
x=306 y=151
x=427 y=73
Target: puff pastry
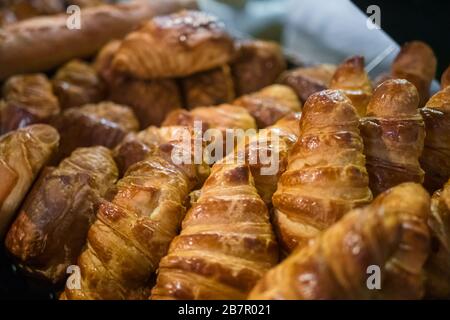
x=390 y=233
x=351 y=78
x=28 y=99
x=22 y=155
x=257 y=65
x=393 y=134
x=52 y=225
x=445 y=79
x=436 y=152
x=326 y=174
x=226 y=242
x=176 y=45
x=416 y=63
x=270 y=104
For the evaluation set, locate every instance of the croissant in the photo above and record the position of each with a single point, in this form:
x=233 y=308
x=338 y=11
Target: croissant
x=257 y=65
x=175 y=45
x=22 y=155
x=435 y=158
x=438 y=263
x=266 y=154
x=103 y=60
x=390 y=234
x=270 y=104
x=393 y=134
x=226 y=243
x=208 y=88
x=28 y=99
x=76 y=83
x=133 y=230
x=52 y=225
x=104 y=124
x=326 y=174
x=416 y=63
x=308 y=80
x=351 y=78
x=445 y=79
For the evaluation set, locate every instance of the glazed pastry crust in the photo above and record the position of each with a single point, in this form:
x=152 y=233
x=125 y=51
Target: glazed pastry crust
x=326 y=174
x=22 y=155
x=393 y=133
x=390 y=233
x=52 y=225
x=176 y=45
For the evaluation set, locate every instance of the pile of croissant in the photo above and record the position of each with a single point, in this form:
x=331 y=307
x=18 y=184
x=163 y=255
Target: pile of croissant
x=88 y=178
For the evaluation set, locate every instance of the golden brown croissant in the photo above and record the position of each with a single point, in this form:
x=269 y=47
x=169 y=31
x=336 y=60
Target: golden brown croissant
x=390 y=234
x=257 y=65
x=270 y=104
x=438 y=264
x=326 y=174
x=28 y=99
x=76 y=83
x=226 y=243
x=435 y=159
x=208 y=88
x=416 y=63
x=351 y=78
x=393 y=134
x=104 y=124
x=133 y=230
x=445 y=79
x=52 y=225
x=103 y=60
x=176 y=45
x=22 y=155
x=308 y=80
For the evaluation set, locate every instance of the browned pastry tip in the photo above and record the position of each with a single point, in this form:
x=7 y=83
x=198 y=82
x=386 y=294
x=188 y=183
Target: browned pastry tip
x=270 y=104
x=438 y=264
x=226 y=243
x=390 y=235
x=326 y=174
x=445 y=79
x=257 y=64
x=27 y=99
x=102 y=62
x=76 y=83
x=308 y=80
x=208 y=88
x=23 y=153
x=416 y=63
x=52 y=225
x=351 y=77
x=175 y=45
x=435 y=158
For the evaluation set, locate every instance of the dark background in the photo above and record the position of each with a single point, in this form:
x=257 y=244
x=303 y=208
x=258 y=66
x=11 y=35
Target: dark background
x=426 y=20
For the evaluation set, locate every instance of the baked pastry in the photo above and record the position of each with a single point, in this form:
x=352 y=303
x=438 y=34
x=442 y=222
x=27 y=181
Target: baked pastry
x=77 y=83
x=438 y=264
x=308 y=80
x=435 y=158
x=326 y=174
x=133 y=230
x=226 y=242
x=208 y=88
x=393 y=134
x=391 y=233
x=104 y=124
x=22 y=155
x=351 y=78
x=28 y=99
x=176 y=45
x=29 y=46
x=416 y=63
x=445 y=79
x=257 y=64
x=266 y=154
x=102 y=62
x=15 y=10
x=52 y=225
x=270 y=104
